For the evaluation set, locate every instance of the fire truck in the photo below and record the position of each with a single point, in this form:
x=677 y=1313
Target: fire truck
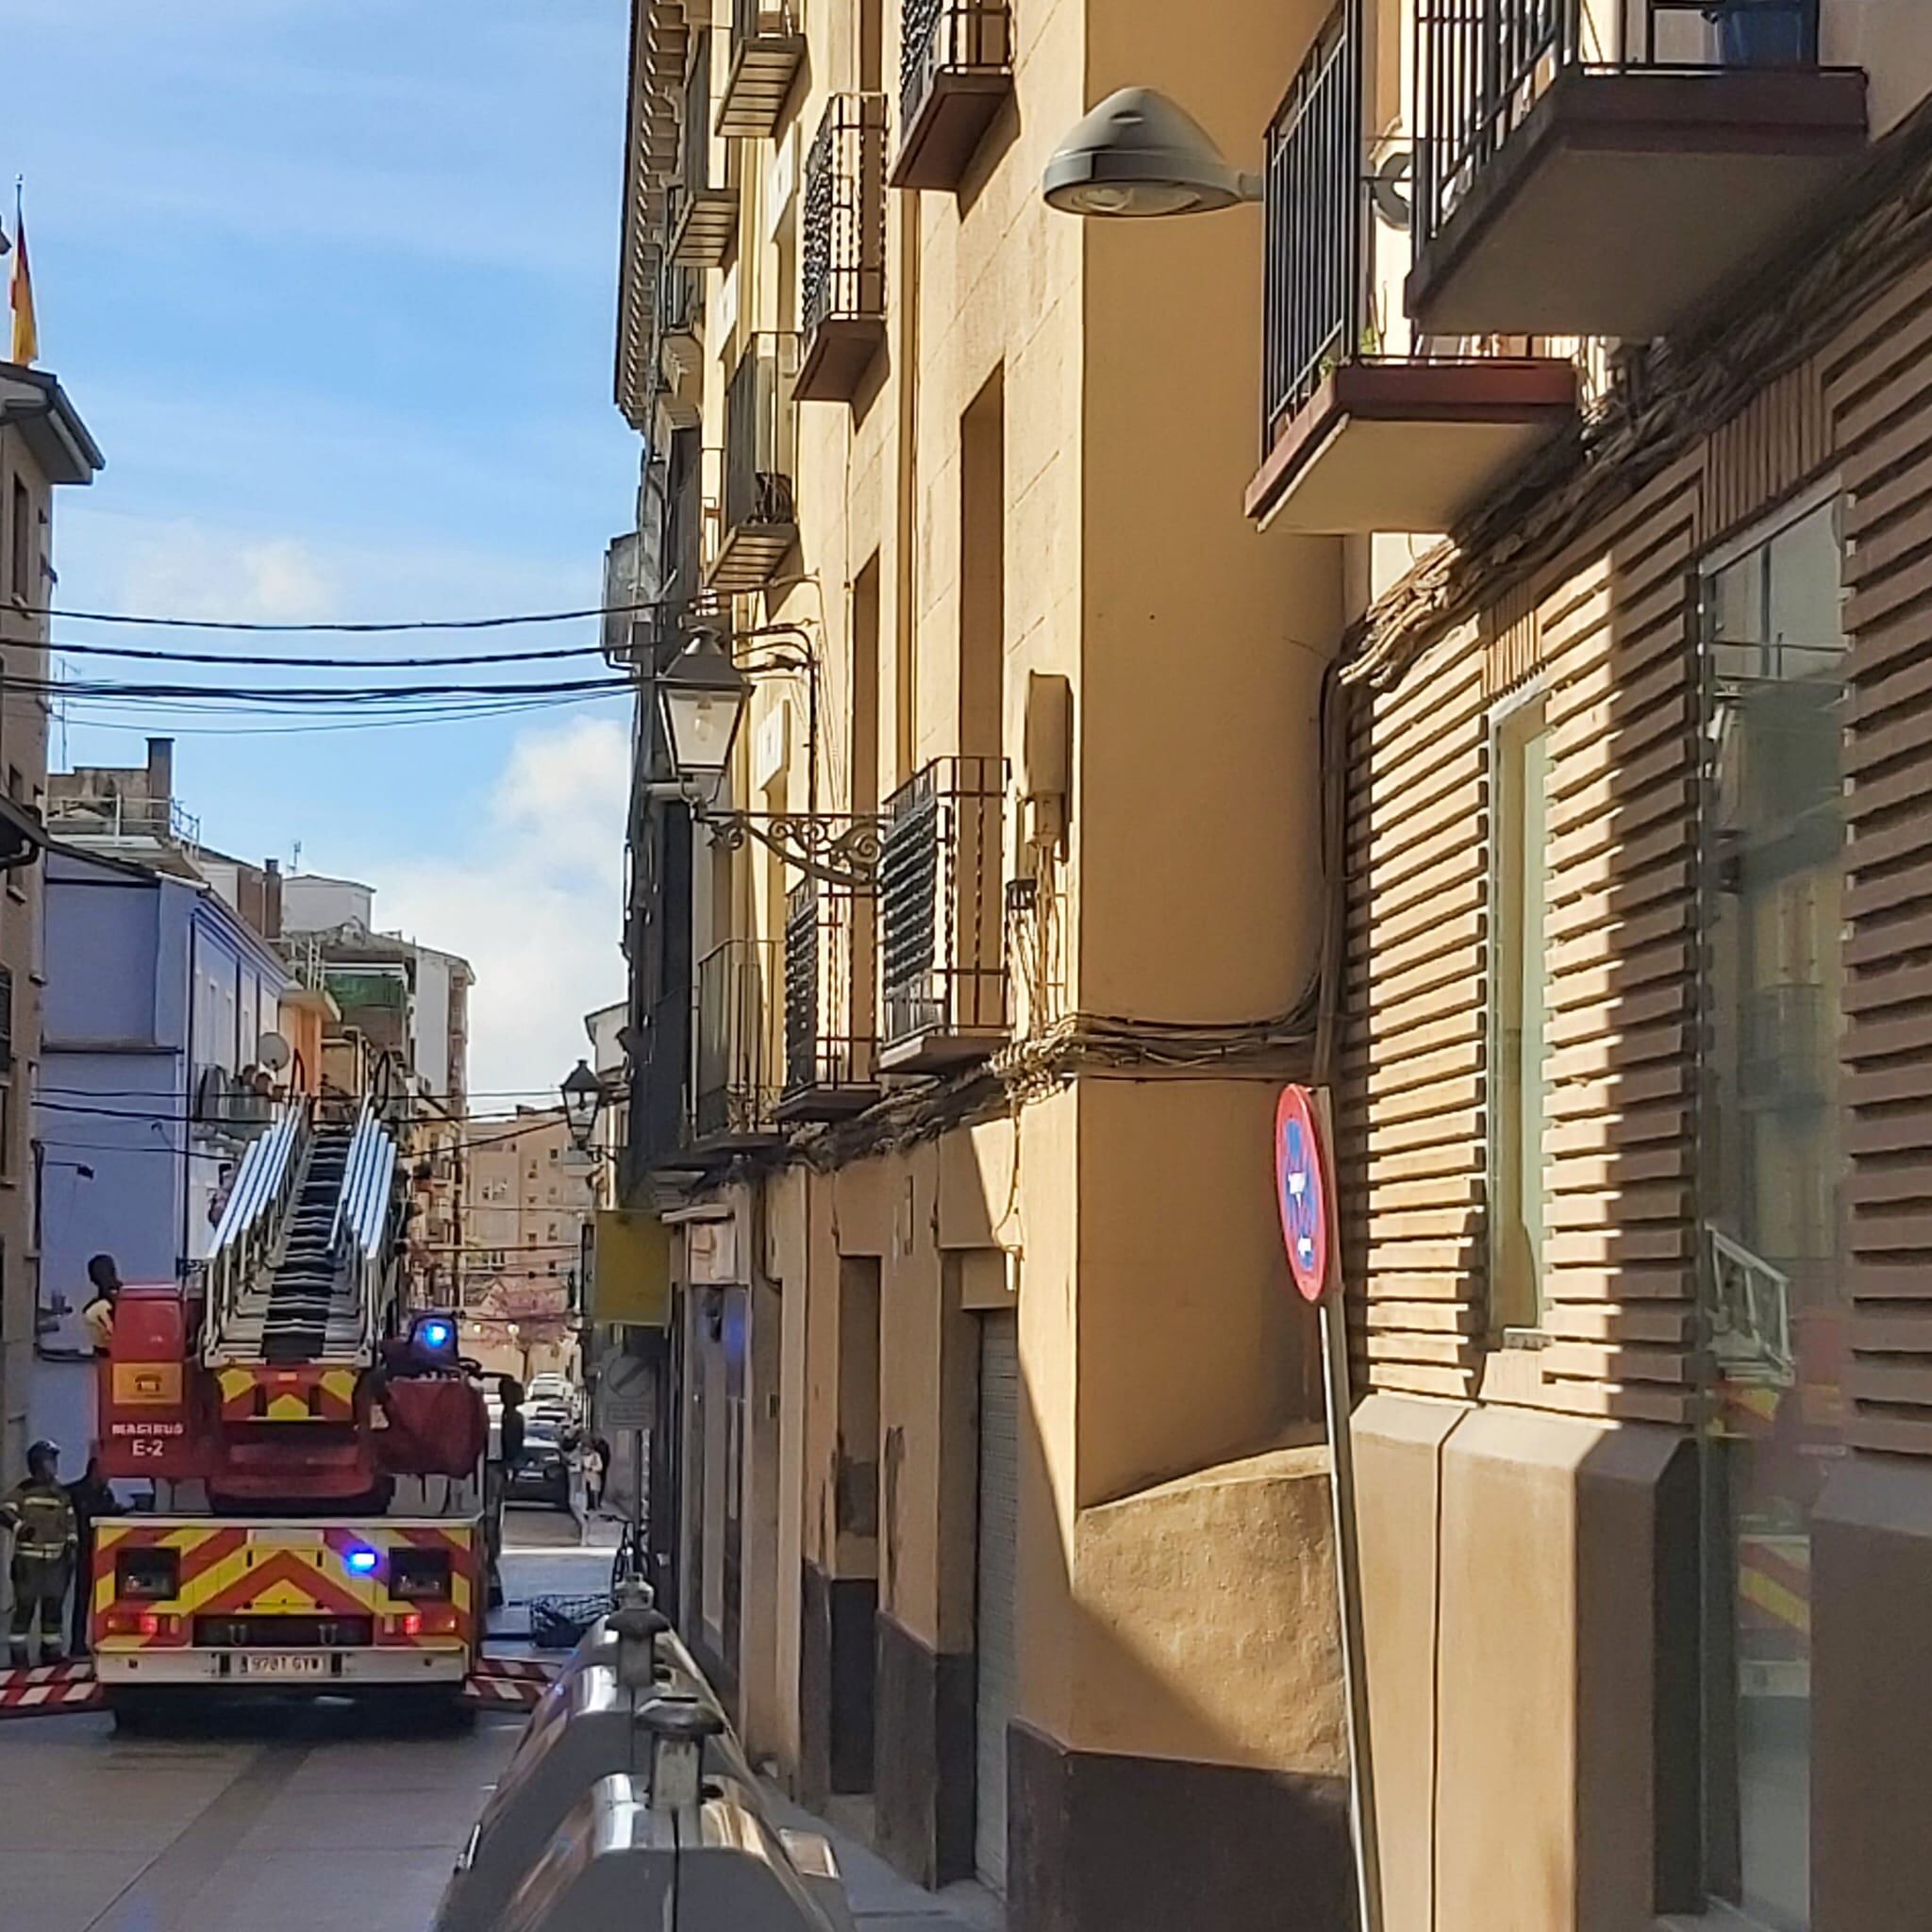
x=315 y=1450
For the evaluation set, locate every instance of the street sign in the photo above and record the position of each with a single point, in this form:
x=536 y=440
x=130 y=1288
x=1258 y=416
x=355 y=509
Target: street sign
x=626 y=1393
x=1301 y=1189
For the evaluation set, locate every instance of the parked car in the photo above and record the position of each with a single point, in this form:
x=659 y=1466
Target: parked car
x=541 y=1473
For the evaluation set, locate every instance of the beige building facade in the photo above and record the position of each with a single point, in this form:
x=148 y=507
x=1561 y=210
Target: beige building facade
x=1624 y=1001
x=1539 y=768
x=527 y=1196
x=43 y=447
x=997 y=1491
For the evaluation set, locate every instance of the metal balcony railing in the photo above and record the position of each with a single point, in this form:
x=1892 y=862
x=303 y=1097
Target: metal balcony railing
x=1315 y=213
x=843 y=270
x=830 y=1042
x=736 y=1067
x=758 y=517
x=941 y=896
x=1484 y=64
x=955 y=67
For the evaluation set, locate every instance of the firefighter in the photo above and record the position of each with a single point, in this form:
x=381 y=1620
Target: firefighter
x=93 y=1497
x=41 y=1516
x=97 y=1317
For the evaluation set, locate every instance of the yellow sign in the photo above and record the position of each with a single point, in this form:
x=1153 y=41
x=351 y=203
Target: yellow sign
x=630 y=1269
x=147 y=1385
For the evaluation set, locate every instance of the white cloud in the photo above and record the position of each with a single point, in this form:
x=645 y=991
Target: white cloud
x=184 y=569
x=535 y=905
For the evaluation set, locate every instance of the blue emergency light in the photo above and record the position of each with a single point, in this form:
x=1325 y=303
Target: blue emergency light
x=361 y=1561
x=435 y=1334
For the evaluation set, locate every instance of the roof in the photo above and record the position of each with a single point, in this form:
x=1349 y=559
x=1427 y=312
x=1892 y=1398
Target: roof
x=33 y=402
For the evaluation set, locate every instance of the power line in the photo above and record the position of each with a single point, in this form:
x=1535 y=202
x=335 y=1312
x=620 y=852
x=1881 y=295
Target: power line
x=153 y=655
x=384 y=627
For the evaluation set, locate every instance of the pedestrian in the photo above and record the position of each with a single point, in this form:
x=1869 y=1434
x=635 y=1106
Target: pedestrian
x=593 y=1477
x=97 y=1317
x=41 y=1519
x=93 y=1497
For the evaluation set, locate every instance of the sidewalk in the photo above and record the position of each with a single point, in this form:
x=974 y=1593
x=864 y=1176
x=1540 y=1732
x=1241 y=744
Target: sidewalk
x=882 y=1901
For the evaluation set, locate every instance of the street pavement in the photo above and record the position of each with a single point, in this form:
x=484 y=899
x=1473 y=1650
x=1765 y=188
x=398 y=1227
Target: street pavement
x=323 y=1818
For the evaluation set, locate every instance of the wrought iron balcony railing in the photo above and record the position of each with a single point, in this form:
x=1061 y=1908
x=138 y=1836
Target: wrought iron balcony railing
x=1629 y=153
x=736 y=1067
x=943 y=971
x=831 y=1046
x=1361 y=430
x=1315 y=214
x=956 y=69
x=842 y=269
x=757 y=522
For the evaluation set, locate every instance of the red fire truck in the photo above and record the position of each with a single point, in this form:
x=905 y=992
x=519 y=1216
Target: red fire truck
x=315 y=1452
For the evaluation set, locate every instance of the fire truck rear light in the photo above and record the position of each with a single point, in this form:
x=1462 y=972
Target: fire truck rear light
x=133 y=1624
x=410 y=1624
x=442 y=1623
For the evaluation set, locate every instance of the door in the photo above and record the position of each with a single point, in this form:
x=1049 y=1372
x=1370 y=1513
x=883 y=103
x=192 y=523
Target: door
x=997 y=1561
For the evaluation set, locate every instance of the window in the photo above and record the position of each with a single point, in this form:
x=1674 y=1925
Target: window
x=1519 y=885
x=20 y=579
x=1772 y=1161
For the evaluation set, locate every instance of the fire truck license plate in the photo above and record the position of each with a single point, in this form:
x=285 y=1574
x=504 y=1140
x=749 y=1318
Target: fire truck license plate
x=285 y=1664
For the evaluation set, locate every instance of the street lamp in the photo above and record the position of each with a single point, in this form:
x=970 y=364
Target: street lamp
x=583 y=1094
x=702 y=698
x=1139 y=153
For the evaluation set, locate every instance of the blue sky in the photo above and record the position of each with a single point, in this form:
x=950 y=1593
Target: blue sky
x=331 y=282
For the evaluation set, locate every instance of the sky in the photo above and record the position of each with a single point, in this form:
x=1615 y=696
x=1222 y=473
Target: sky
x=332 y=284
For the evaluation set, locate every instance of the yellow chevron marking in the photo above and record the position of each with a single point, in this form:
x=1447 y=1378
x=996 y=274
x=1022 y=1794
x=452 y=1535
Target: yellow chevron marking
x=1774 y=1599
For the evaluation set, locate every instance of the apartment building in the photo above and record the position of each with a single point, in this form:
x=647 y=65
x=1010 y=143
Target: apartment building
x=969 y=958
x=1628 y=990
x=44 y=446
x=528 y=1194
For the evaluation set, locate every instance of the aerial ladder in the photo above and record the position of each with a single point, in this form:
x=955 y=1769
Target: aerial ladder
x=315 y=1449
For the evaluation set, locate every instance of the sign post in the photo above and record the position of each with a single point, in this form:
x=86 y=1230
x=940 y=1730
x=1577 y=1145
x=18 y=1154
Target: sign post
x=627 y=1405
x=1305 y=1193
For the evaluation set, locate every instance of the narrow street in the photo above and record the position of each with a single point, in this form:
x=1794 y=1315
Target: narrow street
x=319 y=1820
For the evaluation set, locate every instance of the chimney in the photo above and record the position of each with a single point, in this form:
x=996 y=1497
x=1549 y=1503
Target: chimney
x=160 y=771
x=272 y=898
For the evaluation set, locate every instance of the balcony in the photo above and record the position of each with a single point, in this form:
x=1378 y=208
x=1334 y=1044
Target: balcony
x=704 y=224
x=1355 y=440
x=940 y=890
x=956 y=68
x=831 y=1046
x=680 y=349
x=756 y=524
x=735 y=1065
x=701 y=217
x=842 y=280
x=767 y=50
x=1593 y=167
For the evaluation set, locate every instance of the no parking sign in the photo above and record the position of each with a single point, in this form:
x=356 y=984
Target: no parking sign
x=1301 y=1189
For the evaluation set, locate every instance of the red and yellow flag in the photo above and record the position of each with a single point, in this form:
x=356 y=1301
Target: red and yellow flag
x=27 y=334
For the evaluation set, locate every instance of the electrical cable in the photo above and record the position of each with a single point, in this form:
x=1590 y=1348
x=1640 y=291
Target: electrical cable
x=383 y=627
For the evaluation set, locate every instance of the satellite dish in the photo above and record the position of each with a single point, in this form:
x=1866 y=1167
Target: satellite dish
x=272 y=1051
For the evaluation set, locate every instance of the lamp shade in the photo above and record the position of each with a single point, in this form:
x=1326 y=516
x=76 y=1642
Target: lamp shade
x=583 y=1094
x=1139 y=153
x=702 y=695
